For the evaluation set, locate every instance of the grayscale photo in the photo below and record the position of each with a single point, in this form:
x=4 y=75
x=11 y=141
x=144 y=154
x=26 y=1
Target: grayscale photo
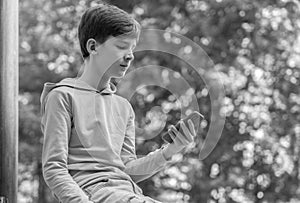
x=138 y=101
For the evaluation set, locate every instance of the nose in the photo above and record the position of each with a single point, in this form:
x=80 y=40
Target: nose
x=129 y=57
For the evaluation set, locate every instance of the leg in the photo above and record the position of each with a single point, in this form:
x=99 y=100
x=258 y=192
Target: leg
x=141 y=199
x=118 y=191
x=113 y=191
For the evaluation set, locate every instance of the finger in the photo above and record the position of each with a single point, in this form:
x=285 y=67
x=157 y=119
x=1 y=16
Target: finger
x=187 y=133
x=172 y=135
x=182 y=136
x=192 y=127
x=179 y=136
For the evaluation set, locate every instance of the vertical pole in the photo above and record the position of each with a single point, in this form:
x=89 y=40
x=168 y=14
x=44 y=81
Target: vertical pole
x=9 y=90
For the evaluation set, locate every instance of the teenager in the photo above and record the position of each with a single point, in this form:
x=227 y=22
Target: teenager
x=89 y=131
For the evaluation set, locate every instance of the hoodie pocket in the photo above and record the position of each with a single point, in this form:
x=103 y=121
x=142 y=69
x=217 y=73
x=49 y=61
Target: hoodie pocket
x=90 y=190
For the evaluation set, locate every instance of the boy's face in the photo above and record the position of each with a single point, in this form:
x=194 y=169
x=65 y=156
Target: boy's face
x=115 y=55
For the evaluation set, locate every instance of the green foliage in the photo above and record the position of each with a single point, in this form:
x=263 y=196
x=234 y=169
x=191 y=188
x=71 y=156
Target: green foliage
x=254 y=46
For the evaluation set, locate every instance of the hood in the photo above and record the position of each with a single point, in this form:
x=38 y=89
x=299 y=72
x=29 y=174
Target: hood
x=74 y=83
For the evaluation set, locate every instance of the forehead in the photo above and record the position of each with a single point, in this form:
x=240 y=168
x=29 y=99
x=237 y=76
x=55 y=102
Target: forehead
x=124 y=39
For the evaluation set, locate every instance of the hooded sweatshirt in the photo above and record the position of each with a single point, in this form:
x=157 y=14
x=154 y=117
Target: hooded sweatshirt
x=89 y=135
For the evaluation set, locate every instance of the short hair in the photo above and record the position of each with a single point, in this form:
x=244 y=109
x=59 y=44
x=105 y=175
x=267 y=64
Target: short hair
x=105 y=20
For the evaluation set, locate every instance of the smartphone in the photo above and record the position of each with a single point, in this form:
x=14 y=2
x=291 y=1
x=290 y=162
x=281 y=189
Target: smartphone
x=195 y=116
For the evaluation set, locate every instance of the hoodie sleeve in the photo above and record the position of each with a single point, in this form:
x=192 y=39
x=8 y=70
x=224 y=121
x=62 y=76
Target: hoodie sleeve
x=55 y=125
x=144 y=167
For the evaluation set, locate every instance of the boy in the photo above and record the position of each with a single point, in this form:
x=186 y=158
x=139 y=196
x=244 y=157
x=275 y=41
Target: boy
x=89 y=136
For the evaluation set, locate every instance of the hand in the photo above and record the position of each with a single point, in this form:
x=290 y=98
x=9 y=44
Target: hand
x=180 y=140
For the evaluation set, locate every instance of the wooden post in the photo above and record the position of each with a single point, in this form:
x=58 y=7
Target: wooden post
x=9 y=90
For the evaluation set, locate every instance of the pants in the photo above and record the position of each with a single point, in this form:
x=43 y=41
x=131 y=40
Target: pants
x=111 y=190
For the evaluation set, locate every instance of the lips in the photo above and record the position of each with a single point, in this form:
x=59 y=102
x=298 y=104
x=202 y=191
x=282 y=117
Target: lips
x=124 y=65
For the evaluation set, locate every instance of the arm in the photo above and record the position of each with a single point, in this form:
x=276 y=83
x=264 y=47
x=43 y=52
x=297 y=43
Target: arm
x=140 y=168
x=55 y=125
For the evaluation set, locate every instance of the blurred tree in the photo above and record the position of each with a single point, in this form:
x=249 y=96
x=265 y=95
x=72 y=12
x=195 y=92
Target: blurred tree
x=254 y=46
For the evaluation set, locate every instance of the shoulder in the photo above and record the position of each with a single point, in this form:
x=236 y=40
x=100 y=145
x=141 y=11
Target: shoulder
x=124 y=103
x=61 y=97
x=61 y=92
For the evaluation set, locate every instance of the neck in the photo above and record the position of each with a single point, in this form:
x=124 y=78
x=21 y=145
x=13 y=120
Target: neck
x=97 y=81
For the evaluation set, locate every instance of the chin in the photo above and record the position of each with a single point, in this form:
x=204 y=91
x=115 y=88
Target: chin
x=118 y=76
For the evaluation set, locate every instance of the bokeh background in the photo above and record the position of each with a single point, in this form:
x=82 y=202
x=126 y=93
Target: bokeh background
x=255 y=46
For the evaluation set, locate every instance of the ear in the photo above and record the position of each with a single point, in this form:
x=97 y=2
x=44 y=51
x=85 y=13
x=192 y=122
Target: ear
x=91 y=46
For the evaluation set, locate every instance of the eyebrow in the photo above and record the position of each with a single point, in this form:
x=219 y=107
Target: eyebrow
x=126 y=42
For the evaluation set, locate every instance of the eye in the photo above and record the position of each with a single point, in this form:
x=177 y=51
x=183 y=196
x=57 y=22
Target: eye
x=122 y=47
